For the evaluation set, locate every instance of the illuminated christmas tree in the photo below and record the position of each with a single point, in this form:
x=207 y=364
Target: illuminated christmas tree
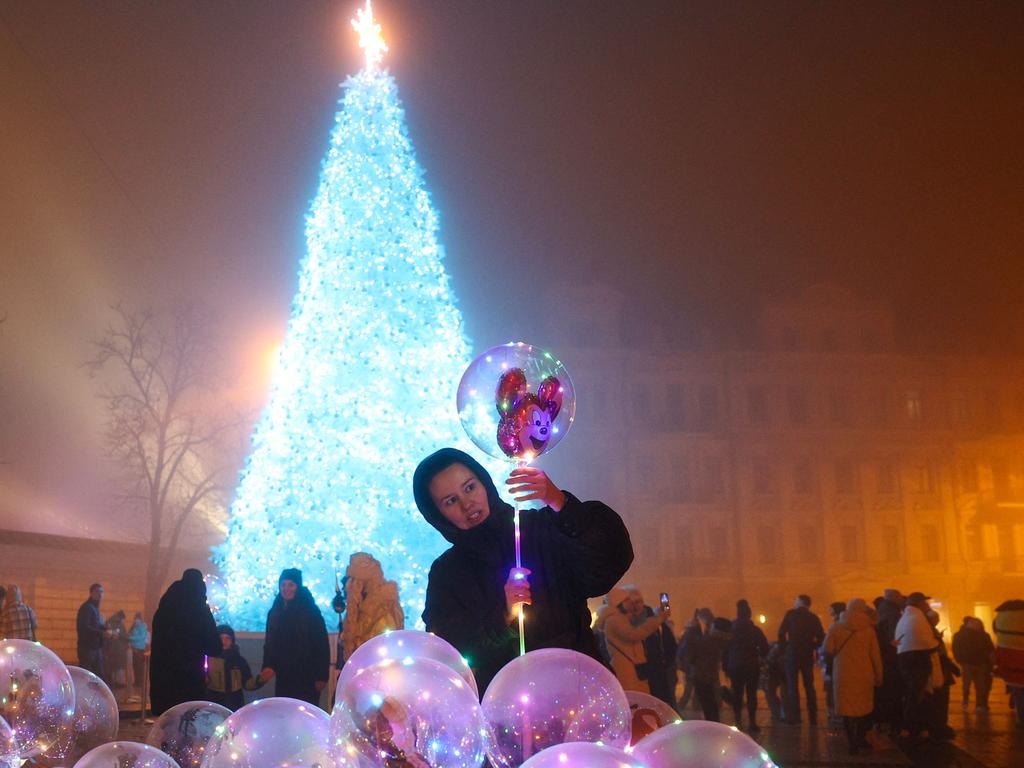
x=366 y=380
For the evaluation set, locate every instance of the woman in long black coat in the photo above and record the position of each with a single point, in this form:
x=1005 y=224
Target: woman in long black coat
x=296 y=650
x=184 y=634
x=572 y=550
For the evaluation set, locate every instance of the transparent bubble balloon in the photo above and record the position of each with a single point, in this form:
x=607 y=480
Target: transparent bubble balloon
x=553 y=696
x=582 y=754
x=8 y=746
x=95 y=721
x=649 y=713
x=271 y=733
x=516 y=401
x=125 y=754
x=402 y=644
x=701 y=744
x=37 y=698
x=416 y=713
x=184 y=730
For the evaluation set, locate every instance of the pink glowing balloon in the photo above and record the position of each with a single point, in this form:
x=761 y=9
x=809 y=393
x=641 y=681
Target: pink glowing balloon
x=415 y=713
x=37 y=697
x=184 y=730
x=701 y=744
x=553 y=696
x=94 y=723
x=271 y=733
x=125 y=754
x=582 y=754
x=405 y=644
x=649 y=714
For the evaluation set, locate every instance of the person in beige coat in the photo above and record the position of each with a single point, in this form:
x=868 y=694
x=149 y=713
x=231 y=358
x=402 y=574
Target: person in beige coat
x=856 y=669
x=625 y=629
x=373 y=604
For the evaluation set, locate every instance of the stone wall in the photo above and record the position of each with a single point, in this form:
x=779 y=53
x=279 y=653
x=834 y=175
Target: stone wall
x=54 y=573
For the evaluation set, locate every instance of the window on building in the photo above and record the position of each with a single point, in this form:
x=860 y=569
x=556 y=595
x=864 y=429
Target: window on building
x=764 y=477
x=718 y=545
x=708 y=408
x=891 y=542
x=683 y=563
x=849 y=543
x=887 y=477
x=799 y=410
x=790 y=339
x=922 y=477
x=839 y=405
x=803 y=476
x=993 y=408
x=675 y=405
x=809 y=544
x=641 y=400
x=912 y=401
x=880 y=406
x=1001 y=478
x=714 y=477
x=682 y=479
x=830 y=340
x=768 y=545
x=961 y=407
x=846 y=476
x=757 y=405
x=968 y=472
x=930 y=544
x=870 y=341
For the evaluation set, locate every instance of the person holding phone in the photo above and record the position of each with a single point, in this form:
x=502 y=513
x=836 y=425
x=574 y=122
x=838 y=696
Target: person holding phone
x=626 y=629
x=571 y=550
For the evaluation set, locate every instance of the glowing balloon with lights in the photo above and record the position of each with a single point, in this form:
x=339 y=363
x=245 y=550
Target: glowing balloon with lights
x=582 y=754
x=415 y=713
x=271 y=733
x=406 y=644
x=516 y=401
x=95 y=721
x=125 y=754
x=37 y=697
x=701 y=744
x=184 y=730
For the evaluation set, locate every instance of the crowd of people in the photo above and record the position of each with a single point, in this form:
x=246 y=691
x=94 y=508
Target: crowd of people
x=885 y=665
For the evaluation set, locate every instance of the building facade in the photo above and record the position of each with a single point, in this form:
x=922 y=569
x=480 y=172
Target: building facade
x=820 y=460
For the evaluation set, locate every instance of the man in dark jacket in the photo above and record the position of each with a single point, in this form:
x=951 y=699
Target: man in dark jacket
x=91 y=630
x=889 y=696
x=974 y=651
x=184 y=634
x=746 y=649
x=702 y=651
x=571 y=550
x=296 y=649
x=660 y=650
x=802 y=633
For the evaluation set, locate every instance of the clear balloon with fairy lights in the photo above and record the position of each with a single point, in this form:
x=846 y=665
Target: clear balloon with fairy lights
x=553 y=696
x=125 y=754
x=516 y=402
x=402 y=644
x=37 y=697
x=8 y=746
x=95 y=721
x=415 y=713
x=582 y=754
x=184 y=730
x=270 y=733
x=701 y=744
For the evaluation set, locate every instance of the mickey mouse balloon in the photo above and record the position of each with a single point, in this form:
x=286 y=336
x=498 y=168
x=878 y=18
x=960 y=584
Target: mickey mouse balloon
x=516 y=401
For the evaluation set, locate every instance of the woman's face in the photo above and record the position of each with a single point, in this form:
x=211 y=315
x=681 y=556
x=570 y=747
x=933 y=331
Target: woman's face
x=225 y=641
x=460 y=496
x=288 y=589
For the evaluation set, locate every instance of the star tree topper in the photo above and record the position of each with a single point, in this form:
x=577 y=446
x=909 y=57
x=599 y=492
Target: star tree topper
x=370 y=39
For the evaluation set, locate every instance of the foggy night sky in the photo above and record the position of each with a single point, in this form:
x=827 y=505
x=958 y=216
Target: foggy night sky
x=697 y=155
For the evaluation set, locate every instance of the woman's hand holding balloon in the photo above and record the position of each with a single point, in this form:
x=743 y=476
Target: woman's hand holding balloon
x=529 y=483
x=517 y=591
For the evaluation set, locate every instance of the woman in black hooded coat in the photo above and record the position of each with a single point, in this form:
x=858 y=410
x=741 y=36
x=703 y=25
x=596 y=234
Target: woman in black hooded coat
x=184 y=633
x=296 y=650
x=572 y=549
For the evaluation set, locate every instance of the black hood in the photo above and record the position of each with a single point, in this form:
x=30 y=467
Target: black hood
x=483 y=539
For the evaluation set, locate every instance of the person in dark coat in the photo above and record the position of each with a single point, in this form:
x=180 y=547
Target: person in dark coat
x=974 y=651
x=746 y=649
x=91 y=631
x=571 y=550
x=888 y=715
x=802 y=633
x=660 y=649
x=296 y=651
x=230 y=675
x=184 y=634
x=702 y=650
